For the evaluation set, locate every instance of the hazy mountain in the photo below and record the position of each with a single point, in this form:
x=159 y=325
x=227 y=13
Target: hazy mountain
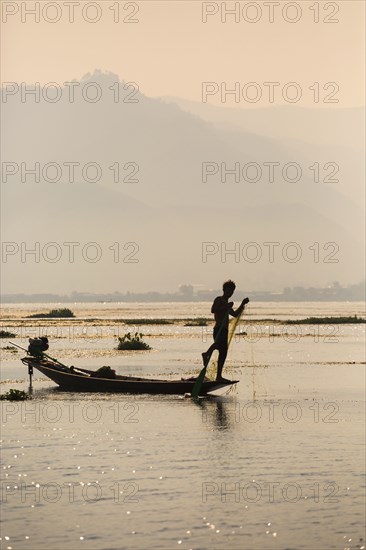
x=331 y=125
x=169 y=212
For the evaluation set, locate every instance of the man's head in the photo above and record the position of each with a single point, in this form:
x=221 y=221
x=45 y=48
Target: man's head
x=228 y=288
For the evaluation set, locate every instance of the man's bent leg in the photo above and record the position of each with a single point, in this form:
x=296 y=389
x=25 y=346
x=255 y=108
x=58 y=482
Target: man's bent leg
x=206 y=355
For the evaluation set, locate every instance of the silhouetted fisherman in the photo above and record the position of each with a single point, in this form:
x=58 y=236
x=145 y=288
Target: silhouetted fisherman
x=222 y=308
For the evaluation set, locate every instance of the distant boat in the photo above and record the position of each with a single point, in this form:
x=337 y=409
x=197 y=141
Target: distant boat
x=82 y=380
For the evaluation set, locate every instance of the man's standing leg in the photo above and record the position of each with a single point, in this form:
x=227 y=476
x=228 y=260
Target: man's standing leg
x=222 y=346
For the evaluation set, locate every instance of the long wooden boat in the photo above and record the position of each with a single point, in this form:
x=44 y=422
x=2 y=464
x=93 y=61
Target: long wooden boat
x=82 y=380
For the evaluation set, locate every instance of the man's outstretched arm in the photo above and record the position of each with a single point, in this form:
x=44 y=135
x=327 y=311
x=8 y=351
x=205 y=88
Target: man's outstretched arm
x=237 y=312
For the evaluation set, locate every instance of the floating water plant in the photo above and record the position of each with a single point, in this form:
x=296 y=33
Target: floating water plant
x=132 y=342
x=6 y=334
x=327 y=320
x=199 y=322
x=62 y=312
x=15 y=395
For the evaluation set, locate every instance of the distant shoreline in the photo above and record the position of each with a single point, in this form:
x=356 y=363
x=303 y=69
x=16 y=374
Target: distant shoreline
x=349 y=294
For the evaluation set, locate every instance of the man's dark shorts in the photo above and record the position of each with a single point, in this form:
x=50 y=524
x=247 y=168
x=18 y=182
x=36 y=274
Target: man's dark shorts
x=221 y=341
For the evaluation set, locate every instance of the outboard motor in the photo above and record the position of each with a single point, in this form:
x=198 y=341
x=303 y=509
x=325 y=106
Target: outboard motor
x=37 y=346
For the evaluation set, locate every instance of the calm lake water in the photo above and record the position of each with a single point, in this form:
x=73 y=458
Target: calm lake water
x=277 y=463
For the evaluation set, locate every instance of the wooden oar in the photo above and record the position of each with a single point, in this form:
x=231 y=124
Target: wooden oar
x=198 y=384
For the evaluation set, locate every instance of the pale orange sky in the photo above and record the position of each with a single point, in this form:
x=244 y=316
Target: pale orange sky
x=170 y=52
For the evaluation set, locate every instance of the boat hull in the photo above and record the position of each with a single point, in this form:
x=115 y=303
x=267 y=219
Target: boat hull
x=68 y=381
